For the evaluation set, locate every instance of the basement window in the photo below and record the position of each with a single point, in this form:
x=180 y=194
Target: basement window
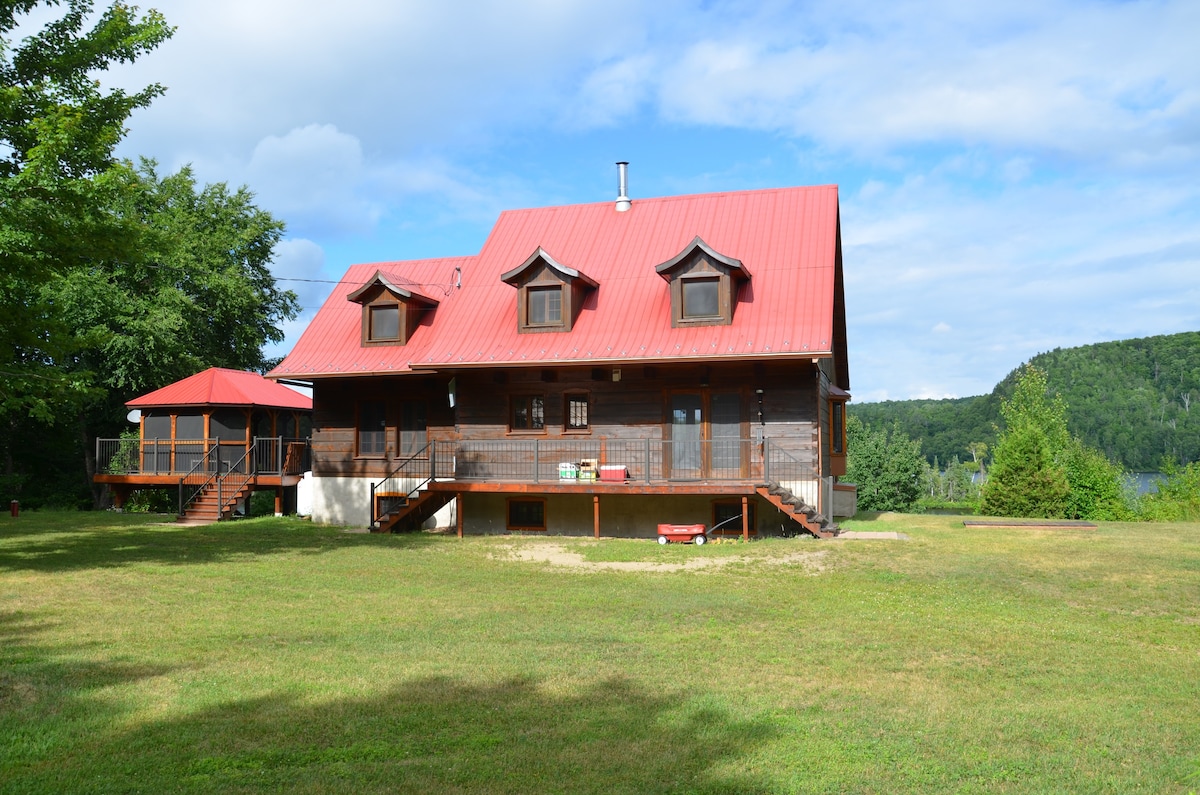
x=728 y=514
x=526 y=514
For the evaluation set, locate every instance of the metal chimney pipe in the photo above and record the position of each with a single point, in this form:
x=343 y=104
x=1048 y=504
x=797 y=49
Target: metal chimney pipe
x=623 y=202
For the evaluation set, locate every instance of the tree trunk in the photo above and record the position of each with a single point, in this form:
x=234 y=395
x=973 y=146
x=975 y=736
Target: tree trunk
x=100 y=495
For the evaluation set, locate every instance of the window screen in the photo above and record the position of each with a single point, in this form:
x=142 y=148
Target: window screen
x=385 y=323
x=545 y=306
x=700 y=297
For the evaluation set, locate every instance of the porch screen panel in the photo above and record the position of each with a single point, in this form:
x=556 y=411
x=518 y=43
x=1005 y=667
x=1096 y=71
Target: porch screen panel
x=189 y=429
x=726 y=433
x=686 y=419
x=228 y=425
x=156 y=455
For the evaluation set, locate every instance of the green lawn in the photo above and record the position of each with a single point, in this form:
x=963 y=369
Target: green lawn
x=270 y=655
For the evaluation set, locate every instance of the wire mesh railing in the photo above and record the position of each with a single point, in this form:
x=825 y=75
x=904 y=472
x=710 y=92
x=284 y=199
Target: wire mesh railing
x=150 y=456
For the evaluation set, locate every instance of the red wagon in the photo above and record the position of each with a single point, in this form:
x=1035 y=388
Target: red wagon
x=682 y=532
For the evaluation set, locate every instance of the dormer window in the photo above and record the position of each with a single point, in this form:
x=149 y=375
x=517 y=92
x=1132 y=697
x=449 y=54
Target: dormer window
x=390 y=313
x=701 y=298
x=545 y=305
x=704 y=285
x=384 y=323
x=550 y=295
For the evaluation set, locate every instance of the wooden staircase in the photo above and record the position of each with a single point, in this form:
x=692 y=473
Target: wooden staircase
x=798 y=510
x=413 y=512
x=218 y=500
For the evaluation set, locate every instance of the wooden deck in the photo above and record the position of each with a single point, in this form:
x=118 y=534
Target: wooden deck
x=162 y=479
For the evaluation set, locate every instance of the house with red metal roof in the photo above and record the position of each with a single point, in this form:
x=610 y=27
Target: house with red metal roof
x=595 y=368
x=216 y=437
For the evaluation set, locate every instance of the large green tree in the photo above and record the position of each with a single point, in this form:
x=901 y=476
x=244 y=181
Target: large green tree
x=114 y=280
x=58 y=129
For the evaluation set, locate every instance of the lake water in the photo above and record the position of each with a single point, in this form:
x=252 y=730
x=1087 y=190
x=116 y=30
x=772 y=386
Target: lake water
x=1147 y=482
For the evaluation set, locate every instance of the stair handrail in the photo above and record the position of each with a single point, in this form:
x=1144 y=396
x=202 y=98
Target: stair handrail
x=200 y=467
x=395 y=474
x=247 y=473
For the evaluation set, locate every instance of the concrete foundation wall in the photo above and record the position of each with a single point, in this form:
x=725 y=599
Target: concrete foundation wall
x=344 y=501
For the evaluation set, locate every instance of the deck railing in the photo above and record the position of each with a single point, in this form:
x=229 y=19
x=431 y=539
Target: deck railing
x=644 y=460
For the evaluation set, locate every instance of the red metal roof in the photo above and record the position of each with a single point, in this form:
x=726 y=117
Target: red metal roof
x=786 y=238
x=218 y=386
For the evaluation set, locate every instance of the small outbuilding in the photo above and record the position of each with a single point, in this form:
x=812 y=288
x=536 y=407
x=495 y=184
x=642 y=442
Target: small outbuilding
x=216 y=437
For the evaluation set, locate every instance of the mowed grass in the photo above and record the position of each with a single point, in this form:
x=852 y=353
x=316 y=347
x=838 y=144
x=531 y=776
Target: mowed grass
x=274 y=656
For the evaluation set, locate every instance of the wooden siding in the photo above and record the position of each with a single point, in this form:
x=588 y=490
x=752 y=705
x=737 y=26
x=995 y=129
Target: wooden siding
x=635 y=407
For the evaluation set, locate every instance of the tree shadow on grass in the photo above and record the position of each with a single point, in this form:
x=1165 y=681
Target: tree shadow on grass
x=79 y=541
x=433 y=735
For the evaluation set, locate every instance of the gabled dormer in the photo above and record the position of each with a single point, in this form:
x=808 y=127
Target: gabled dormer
x=390 y=313
x=549 y=294
x=704 y=285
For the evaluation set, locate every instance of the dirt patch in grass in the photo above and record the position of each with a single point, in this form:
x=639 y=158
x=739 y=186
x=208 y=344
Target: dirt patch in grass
x=558 y=555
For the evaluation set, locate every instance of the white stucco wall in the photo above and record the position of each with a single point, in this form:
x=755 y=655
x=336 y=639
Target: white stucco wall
x=344 y=501
x=347 y=501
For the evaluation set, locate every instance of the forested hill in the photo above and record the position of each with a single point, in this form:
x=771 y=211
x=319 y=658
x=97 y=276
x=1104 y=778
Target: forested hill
x=1131 y=398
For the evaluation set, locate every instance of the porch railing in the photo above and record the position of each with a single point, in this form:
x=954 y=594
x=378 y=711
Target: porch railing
x=150 y=456
x=281 y=455
x=273 y=455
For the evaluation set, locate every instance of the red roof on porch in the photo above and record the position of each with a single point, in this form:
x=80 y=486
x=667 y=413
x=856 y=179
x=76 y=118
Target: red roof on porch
x=787 y=239
x=218 y=386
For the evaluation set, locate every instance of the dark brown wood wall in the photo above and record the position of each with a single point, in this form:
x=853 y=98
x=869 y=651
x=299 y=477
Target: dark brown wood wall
x=635 y=407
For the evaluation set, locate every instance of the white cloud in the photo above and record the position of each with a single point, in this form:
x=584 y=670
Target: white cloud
x=942 y=328
x=314 y=175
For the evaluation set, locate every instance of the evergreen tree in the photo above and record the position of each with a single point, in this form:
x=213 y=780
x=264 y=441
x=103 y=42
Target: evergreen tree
x=1024 y=479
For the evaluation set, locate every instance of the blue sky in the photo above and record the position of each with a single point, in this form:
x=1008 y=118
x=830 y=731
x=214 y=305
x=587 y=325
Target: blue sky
x=1014 y=177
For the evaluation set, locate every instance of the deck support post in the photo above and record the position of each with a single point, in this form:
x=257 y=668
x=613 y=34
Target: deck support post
x=279 y=501
x=745 y=519
x=458 y=516
x=596 y=514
